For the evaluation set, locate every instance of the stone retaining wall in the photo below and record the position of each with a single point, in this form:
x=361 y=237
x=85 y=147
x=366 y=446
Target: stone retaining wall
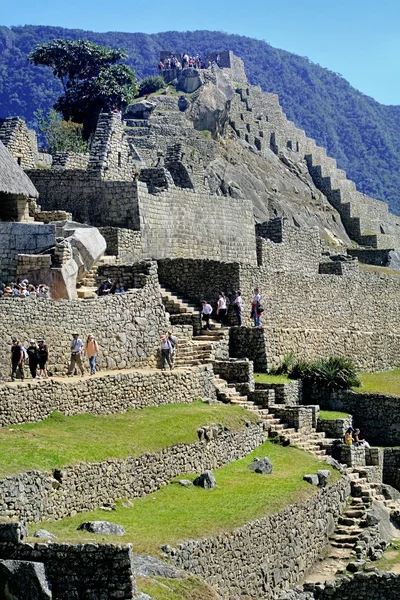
x=363 y=586
x=83 y=571
x=290 y=393
x=249 y=342
x=127 y=326
x=334 y=428
x=37 y=495
x=108 y=394
x=377 y=415
x=257 y=560
x=391 y=467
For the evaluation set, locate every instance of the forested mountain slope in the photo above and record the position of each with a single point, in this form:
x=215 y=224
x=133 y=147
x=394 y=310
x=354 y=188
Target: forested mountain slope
x=362 y=134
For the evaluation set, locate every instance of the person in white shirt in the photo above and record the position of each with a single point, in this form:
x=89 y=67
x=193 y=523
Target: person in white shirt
x=237 y=303
x=166 y=353
x=206 y=313
x=221 y=309
x=76 y=352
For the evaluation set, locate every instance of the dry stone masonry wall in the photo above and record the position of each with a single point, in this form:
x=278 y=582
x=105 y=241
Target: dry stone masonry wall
x=272 y=553
x=36 y=495
x=105 y=394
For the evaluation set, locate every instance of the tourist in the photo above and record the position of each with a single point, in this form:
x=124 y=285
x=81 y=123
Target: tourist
x=32 y=358
x=173 y=340
x=358 y=442
x=256 y=308
x=91 y=349
x=166 y=353
x=348 y=437
x=222 y=309
x=17 y=360
x=43 y=357
x=76 y=358
x=206 y=313
x=237 y=304
x=104 y=288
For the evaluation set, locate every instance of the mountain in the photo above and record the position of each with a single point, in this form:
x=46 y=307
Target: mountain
x=360 y=133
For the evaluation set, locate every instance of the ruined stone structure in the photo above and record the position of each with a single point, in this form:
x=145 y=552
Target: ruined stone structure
x=211 y=191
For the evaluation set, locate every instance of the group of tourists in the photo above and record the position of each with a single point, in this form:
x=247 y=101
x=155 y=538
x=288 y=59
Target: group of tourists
x=23 y=289
x=36 y=355
x=352 y=438
x=169 y=349
x=110 y=287
x=188 y=62
x=223 y=305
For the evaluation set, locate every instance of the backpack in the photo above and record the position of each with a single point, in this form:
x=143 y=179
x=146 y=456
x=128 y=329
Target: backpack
x=260 y=308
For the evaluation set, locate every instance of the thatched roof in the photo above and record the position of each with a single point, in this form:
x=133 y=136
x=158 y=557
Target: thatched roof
x=12 y=178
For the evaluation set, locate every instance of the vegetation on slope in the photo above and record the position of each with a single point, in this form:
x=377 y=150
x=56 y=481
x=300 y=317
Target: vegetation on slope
x=361 y=133
x=60 y=440
x=241 y=495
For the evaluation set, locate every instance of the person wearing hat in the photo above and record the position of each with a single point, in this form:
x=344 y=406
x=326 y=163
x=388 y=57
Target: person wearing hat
x=17 y=360
x=43 y=357
x=32 y=351
x=76 y=355
x=166 y=353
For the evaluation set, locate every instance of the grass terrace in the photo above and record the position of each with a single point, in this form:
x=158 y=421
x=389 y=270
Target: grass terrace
x=332 y=415
x=266 y=378
x=386 y=382
x=176 y=513
x=189 y=588
x=62 y=440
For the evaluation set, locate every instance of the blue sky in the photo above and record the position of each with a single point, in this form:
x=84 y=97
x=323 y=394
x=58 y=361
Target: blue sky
x=358 y=39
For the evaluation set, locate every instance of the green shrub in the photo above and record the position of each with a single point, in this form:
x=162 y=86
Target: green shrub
x=289 y=360
x=151 y=84
x=334 y=373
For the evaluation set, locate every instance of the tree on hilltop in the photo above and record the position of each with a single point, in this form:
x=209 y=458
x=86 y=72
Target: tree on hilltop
x=92 y=77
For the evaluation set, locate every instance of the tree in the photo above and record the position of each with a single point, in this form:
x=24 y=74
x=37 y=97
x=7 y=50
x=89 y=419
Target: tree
x=92 y=77
x=61 y=136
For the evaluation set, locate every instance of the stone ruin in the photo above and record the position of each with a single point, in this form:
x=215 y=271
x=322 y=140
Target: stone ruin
x=211 y=189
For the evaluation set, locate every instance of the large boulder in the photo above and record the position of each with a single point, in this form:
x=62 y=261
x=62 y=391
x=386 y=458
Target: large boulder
x=144 y=565
x=262 y=465
x=189 y=81
x=210 y=110
x=102 y=528
x=20 y=580
x=140 y=110
x=206 y=480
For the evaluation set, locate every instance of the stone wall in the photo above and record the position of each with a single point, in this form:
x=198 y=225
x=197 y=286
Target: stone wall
x=334 y=428
x=391 y=467
x=272 y=553
x=127 y=326
x=70 y=160
x=290 y=393
x=16 y=137
x=81 y=571
x=110 y=153
x=124 y=244
x=363 y=586
x=87 y=196
x=104 y=394
x=249 y=342
x=236 y=371
x=182 y=223
x=37 y=495
x=377 y=415
x=21 y=238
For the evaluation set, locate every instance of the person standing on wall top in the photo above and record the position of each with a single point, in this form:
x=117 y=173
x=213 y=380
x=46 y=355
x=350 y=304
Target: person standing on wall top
x=43 y=357
x=32 y=358
x=222 y=309
x=237 y=303
x=76 y=352
x=17 y=360
x=91 y=349
x=256 y=308
x=206 y=313
x=166 y=353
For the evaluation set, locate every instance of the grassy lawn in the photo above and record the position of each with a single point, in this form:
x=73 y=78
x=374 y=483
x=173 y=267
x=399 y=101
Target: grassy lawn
x=390 y=559
x=379 y=270
x=386 y=382
x=176 y=513
x=60 y=440
x=331 y=415
x=265 y=378
x=189 y=588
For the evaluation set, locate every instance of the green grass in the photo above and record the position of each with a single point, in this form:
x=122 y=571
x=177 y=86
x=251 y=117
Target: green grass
x=176 y=513
x=59 y=440
x=265 y=378
x=331 y=415
x=386 y=382
x=189 y=588
x=390 y=558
